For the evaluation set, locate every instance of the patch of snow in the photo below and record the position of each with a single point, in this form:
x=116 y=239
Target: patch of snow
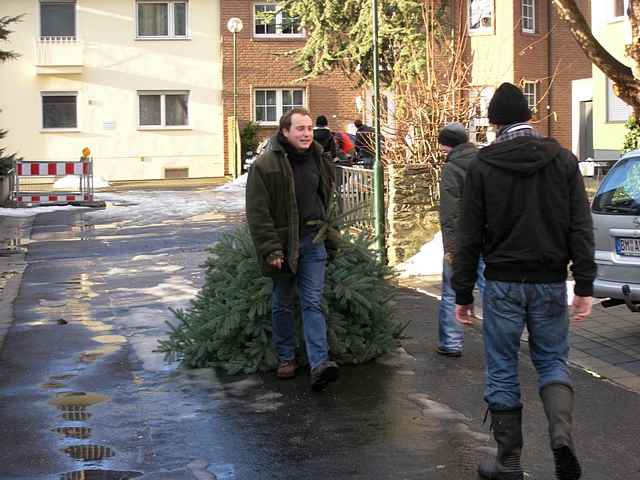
x=237 y=185
x=72 y=182
x=33 y=211
x=428 y=261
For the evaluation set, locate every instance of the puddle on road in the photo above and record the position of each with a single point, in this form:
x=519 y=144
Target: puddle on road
x=100 y=475
x=89 y=453
x=74 y=432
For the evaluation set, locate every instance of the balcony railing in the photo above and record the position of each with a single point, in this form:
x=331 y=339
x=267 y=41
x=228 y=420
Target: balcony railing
x=59 y=53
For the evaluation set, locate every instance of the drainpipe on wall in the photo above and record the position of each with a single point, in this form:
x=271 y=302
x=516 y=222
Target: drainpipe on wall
x=550 y=115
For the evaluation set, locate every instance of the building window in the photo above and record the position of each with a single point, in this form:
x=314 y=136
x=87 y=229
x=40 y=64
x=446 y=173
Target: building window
x=529 y=89
x=59 y=110
x=481 y=15
x=280 y=24
x=163 y=109
x=618 y=8
x=529 y=16
x=617 y=109
x=57 y=19
x=157 y=19
x=270 y=105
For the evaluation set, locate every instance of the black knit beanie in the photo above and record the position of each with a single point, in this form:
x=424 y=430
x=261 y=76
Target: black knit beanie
x=453 y=134
x=508 y=106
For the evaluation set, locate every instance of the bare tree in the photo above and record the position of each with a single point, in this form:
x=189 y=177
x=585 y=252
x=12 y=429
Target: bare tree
x=626 y=80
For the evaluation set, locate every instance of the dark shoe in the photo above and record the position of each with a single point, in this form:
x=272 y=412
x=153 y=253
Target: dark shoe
x=323 y=374
x=567 y=465
x=448 y=353
x=558 y=406
x=507 y=431
x=286 y=370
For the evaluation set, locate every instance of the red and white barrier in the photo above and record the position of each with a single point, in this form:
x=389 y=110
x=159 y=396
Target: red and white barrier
x=52 y=199
x=54 y=169
x=24 y=197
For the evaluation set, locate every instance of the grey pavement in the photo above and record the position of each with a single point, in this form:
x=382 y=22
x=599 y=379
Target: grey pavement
x=83 y=395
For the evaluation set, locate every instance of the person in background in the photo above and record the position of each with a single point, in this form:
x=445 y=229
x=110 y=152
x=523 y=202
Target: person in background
x=323 y=135
x=454 y=143
x=526 y=211
x=364 y=143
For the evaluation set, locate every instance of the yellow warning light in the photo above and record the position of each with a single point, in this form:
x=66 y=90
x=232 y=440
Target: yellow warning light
x=86 y=152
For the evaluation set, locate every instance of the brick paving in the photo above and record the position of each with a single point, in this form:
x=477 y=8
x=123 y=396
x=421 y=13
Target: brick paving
x=607 y=344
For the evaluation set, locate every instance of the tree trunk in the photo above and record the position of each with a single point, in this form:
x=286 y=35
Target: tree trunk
x=626 y=85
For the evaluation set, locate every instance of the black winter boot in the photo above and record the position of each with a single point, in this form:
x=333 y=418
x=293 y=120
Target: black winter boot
x=558 y=406
x=507 y=431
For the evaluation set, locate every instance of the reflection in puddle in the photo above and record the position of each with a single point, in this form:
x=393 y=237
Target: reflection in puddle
x=74 y=413
x=89 y=452
x=110 y=339
x=92 y=355
x=74 y=432
x=53 y=385
x=99 y=475
x=77 y=399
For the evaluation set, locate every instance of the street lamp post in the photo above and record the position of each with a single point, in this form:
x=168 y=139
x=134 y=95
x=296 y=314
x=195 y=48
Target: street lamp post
x=378 y=171
x=234 y=25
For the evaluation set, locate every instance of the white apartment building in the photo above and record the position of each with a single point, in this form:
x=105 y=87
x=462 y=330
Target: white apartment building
x=139 y=82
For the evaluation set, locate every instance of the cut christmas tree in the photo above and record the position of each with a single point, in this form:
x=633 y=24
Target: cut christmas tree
x=228 y=324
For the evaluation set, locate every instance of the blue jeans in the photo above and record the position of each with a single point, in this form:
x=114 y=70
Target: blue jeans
x=310 y=283
x=508 y=307
x=450 y=331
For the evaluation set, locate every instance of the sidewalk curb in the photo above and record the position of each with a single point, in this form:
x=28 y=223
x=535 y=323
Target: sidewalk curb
x=14 y=265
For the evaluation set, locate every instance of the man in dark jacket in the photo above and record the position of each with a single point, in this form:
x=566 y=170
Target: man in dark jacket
x=324 y=136
x=525 y=210
x=288 y=191
x=454 y=142
x=364 y=143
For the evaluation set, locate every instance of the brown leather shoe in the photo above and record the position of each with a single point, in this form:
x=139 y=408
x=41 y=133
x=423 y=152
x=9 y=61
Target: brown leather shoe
x=286 y=369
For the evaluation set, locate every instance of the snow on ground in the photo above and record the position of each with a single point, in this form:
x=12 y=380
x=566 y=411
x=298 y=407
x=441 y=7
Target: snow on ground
x=163 y=205
x=237 y=185
x=72 y=182
x=428 y=261
x=155 y=205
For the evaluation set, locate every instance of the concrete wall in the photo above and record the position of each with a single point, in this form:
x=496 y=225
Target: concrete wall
x=608 y=138
x=116 y=66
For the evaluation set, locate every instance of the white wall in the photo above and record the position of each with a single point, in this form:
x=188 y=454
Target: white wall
x=116 y=66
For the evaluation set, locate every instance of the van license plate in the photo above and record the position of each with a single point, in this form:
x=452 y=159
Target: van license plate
x=628 y=247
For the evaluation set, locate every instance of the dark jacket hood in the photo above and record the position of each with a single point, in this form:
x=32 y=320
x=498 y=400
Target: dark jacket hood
x=522 y=156
x=461 y=155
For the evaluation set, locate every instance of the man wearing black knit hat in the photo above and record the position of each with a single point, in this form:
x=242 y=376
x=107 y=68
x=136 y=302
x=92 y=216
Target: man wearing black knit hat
x=526 y=212
x=454 y=143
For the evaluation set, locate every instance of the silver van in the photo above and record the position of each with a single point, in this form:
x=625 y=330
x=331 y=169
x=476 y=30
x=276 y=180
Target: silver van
x=616 y=222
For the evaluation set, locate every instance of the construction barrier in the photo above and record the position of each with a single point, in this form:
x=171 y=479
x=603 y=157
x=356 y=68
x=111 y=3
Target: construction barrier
x=27 y=193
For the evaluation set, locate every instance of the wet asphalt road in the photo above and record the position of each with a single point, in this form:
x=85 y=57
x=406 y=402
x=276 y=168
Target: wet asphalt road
x=81 y=389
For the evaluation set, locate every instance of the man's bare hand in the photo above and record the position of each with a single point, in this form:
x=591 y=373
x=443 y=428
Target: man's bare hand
x=465 y=315
x=276 y=259
x=277 y=262
x=580 y=308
